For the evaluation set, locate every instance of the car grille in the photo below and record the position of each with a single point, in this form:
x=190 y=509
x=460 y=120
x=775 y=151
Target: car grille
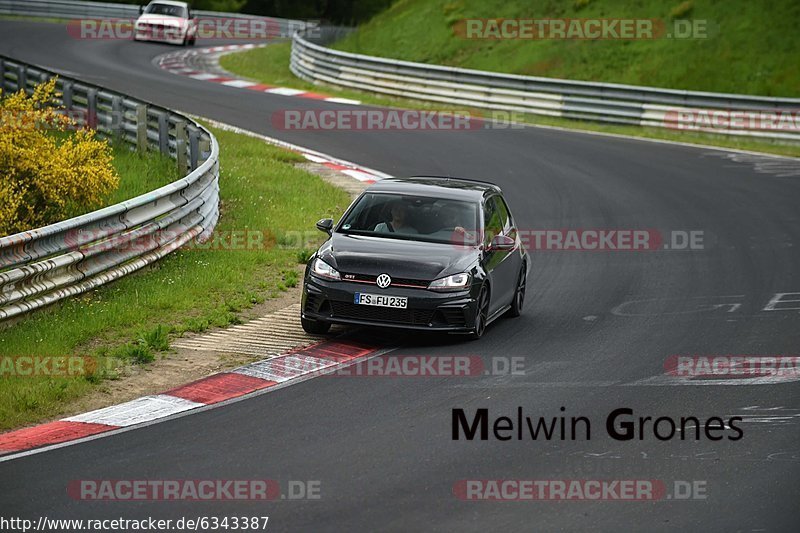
x=158 y=30
x=312 y=302
x=396 y=282
x=381 y=314
x=452 y=316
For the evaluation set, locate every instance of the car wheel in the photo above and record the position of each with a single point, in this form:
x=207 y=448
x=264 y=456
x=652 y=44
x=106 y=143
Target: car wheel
x=519 y=295
x=481 y=313
x=315 y=327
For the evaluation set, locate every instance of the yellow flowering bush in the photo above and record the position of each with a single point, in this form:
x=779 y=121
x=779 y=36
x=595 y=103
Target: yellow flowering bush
x=49 y=169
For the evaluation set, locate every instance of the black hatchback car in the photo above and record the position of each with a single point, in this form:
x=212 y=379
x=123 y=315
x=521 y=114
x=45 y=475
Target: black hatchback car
x=429 y=253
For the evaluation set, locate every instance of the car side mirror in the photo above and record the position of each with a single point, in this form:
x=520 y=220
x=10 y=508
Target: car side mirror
x=501 y=243
x=326 y=225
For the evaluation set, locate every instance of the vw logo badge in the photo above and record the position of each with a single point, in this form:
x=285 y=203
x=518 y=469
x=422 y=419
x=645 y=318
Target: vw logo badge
x=384 y=281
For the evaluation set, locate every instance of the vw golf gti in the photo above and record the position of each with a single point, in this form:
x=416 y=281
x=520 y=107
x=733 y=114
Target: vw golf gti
x=428 y=253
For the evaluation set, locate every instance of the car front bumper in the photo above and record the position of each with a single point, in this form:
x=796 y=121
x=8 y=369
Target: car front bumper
x=160 y=35
x=333 y=301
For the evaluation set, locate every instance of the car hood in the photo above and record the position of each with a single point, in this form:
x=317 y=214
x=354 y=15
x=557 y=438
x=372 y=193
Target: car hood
x=165 y=20
x=358 y=254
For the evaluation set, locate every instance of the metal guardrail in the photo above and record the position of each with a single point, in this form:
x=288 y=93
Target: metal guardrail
x=67 y=9
x=604 y=102
x=76 y=9
x=43 y=265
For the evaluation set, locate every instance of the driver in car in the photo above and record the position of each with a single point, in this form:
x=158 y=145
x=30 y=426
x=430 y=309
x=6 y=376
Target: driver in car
x=399 y=222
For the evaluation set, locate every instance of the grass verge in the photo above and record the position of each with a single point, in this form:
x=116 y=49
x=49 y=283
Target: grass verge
x=740 y=46
x=130 y=321
x=32 y=18
x=270 y=65
x=140 y=173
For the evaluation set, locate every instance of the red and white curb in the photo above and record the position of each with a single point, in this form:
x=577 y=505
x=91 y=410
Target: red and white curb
x=359 y=172
x=293 y=366
x=178 y=62
x=185 y=62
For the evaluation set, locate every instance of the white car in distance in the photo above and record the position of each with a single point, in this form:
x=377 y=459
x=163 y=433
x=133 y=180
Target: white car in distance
x=166 y=21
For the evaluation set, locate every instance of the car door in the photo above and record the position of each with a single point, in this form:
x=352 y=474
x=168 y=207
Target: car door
x=500 y=265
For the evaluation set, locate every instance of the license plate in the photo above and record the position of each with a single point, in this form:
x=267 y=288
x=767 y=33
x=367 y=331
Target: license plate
x=381 y=300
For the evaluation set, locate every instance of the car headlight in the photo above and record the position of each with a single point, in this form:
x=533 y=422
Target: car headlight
x=323 y=270
x=455 y=282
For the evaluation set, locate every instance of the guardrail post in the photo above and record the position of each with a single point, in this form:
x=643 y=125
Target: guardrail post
x=2 y=74
x=194 y=148
x=91 y=111
x=205 y=146
x=116 y=117
x=22 y=78
x=141 y=128
x=43 y=78
x=180 y=144
x=163 y=133
x=66 y=95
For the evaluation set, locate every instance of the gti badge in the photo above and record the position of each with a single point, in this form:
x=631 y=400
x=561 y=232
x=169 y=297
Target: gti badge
x=383 y=281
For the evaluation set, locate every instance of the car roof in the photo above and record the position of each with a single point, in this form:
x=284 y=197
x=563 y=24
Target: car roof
x=444 y=186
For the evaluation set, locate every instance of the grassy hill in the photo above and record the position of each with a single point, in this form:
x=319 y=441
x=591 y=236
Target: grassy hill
x=752 y=47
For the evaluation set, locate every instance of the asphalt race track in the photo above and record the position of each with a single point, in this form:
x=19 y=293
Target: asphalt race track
x=596 y=331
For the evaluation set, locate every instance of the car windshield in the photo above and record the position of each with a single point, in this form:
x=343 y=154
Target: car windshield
x=166 y=9
x=417 y=218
